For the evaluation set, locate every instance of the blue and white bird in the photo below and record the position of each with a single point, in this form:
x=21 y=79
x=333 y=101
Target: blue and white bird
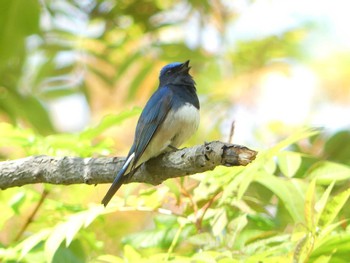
x=169 y=118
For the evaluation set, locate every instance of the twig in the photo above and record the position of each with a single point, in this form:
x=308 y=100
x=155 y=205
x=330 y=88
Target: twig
x=232 y=132
x=208 y=205
x=32 y=215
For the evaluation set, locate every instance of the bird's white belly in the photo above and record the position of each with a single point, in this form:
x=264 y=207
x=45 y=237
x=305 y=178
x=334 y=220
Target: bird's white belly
x=177 y=128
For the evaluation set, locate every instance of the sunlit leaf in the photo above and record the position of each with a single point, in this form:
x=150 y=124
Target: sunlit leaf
x=244 y=178
x=309 y=207
x=164 y=221
x=270 y=166
x=202 y=239
x=321 y=204
x=333 y=206
x=236 y=226
x=109 y=259
x=326 y=172
x=261 y=245
x=335 y=244
x=219 y=222
x=109 y=121
x=173 y=188
x=212 y=256
x=68 y=230
x=17 y=200
x=160 y=237
x=323 y=259
x=304 y=247
x=131 y=254
x=54 y=241
x=324 y=233
x=290 y=192
x=289 y=162
x=29 y=243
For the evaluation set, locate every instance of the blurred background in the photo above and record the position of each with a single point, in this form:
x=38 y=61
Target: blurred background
x=74 y=76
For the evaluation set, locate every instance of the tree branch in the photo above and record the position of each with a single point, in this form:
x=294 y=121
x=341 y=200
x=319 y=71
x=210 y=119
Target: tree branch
x=75 y=170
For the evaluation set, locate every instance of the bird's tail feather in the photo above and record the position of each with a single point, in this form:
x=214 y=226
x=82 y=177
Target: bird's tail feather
x=118 y=181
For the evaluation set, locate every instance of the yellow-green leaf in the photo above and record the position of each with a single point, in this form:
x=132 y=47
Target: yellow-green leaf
x=309 y=208
x=333 y=207
x=289 y=162
x=326 y=172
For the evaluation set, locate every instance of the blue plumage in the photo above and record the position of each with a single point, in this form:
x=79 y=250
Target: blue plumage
x=169 y=118
x=169 y=67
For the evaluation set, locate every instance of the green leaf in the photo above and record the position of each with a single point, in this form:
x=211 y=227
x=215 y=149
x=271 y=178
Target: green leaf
x=263 y=244
x=17 y=200
x=109 y=121
x=161 y=238
x=212 y=257
x=248 y=174
x=309 y=207
x=31 y=110
x=68 y=229
x=12 y=136
x=321 y=204
x=173 y=188
x=290 y=192
x=326 y=172
x=336 y=243
x=219 y=222
x=323 y=259
x=337 y=148
x=54 y=241
x=109 y=259
x=81 y=220
x=29 y=243
x=270 y=166
x=73 y=254
x=236 y=226
x=289 y=162
x=57 y=92
x=202 y=239
x=304 y=247
x=165 y=221
x=131 y=254
x=334 y=205
x=326 y=232
x=18 y=19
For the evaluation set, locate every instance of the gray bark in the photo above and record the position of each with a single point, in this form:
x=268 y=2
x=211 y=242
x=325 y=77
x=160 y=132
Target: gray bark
x=75 y=170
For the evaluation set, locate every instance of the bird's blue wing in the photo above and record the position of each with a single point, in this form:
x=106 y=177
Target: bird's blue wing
x=150 y=120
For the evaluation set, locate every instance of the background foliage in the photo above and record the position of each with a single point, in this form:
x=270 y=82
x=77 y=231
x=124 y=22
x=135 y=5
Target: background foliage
x=71 y=73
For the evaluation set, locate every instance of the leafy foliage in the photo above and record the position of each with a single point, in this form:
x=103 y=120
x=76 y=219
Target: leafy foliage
x=262 y=212
x=287 y=206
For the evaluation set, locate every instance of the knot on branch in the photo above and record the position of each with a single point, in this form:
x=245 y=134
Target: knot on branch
x=234 y=155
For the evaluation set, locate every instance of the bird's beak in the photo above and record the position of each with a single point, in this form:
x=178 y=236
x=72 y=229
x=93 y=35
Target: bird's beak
x=185 y=66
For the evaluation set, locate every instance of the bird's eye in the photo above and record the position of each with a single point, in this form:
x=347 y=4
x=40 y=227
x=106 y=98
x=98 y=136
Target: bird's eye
x=168 y=72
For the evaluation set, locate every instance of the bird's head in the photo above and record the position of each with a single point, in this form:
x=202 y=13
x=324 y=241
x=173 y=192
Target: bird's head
x=177 y=74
